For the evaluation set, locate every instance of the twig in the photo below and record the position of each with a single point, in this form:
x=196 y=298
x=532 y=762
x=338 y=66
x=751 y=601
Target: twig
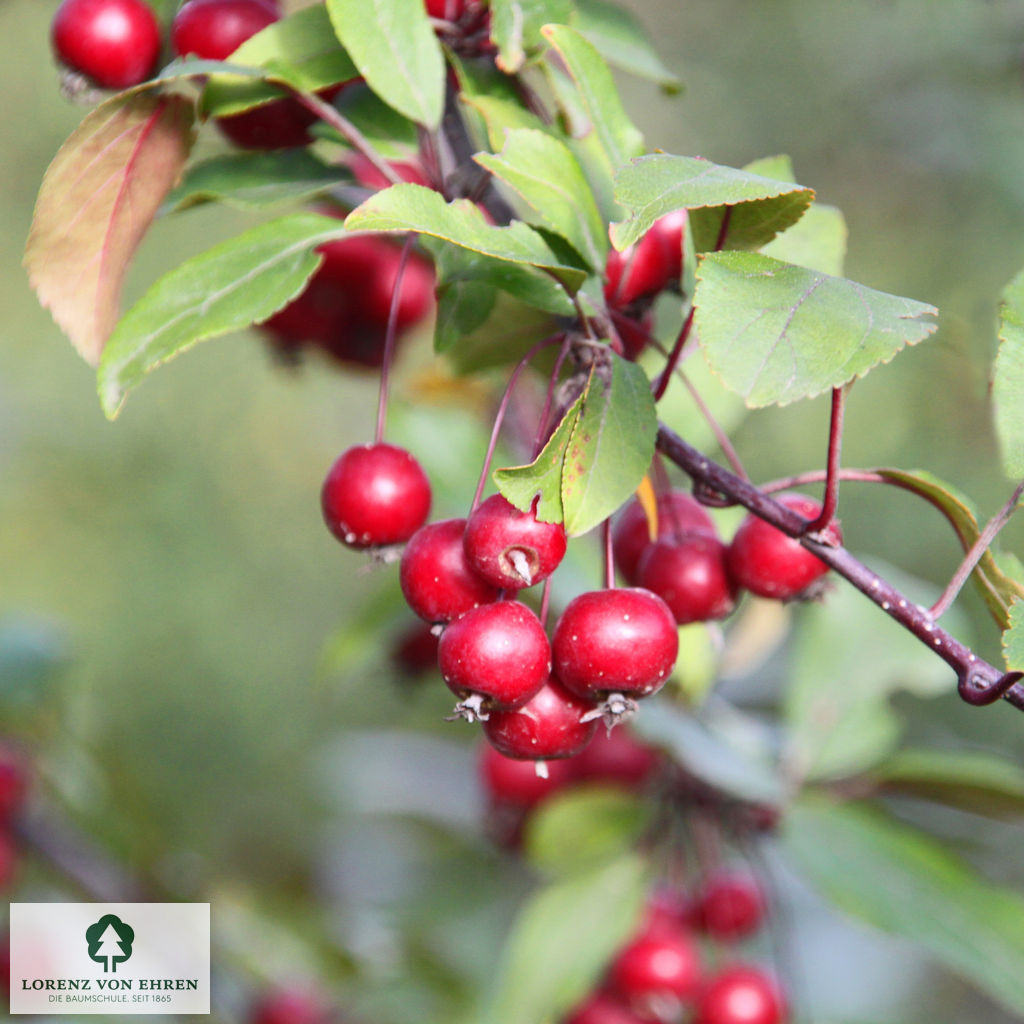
x=835 y=444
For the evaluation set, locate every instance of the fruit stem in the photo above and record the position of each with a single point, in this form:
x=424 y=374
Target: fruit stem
x=723 y=229
x=816 y=476
x=389 y=340
x=835 y=444
x=344 y=127
x=661 y=384
x=976 y=553
x=978 y=682
x=721 y=437
x=545 y=603
x=500 y=415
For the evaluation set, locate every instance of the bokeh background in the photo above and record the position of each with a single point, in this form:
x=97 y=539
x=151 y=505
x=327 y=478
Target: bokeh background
x=167 y=587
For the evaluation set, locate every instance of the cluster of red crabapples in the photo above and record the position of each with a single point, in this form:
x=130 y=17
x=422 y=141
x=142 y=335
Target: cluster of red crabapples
x=541 y=699
x=659 y=977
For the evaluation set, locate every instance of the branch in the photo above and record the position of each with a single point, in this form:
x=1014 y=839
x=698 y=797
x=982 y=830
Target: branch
x=978 y=682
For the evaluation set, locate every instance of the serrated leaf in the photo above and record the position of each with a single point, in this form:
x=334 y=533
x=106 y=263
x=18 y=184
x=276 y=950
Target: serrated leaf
x=300 y=49
x=901 y=881
x=998 y=589
x=396 y=51
x=759 y=207
x=95 y=204
x=226 y=288
x=619 y=138
x=549 y=178
x=253 y=180
x=463 y=306
x=775 y=332
x=838 y=688
x=500 y=116
x=516 y=25
x=1013 y=638
x=420 y=209
x=1008 y=378
x=562 y=940
x=542 y=478
x=584 y=827
x=611 y=447
x=620 y=38
x=976 y=782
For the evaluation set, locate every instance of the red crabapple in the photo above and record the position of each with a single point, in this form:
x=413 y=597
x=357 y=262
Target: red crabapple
x=740 y=994
x=771 y=564
x=375 y=495
x=512 y=549
x=690 y=575
x=657 y=969
x=509 y=780
x=438 y=583
x=494 y=658
x=115 y=43
x=729 y=906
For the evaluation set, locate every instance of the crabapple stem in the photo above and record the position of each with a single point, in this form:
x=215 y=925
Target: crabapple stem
x=609 y=555
x=545 y=603
x=976 y=553
x=345 y=128
x=723 y=229
x=389 y=340
x=978 y=681
x=816 y=476
x=721 y=437
x=545 y=412
x=830 y=500
x=661 y=385
x=500 y=415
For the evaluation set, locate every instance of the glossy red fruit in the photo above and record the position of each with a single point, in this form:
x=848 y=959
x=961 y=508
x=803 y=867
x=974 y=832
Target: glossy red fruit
x=667 y=910
x=770 y=564
x=548 y=726
x=499 y=653
x=113 y=42
x=729 y=906
x=13 y=783
x=690 y=576
x=375 y=494
x=507 y=780
x=740 y=994
x=450 y=10
x=279 y=124
x=615 y=641
x=214 y=29
x=617 y=758
x=603 y=1008
x=657 y=969
x=679 y=514
x=368 y=174
x=438 y=583
x=649 y=265
x=290 y=1006
x=512 y=549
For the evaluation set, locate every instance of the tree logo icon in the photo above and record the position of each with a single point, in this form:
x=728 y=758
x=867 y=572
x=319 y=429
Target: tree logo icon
x=110 y=942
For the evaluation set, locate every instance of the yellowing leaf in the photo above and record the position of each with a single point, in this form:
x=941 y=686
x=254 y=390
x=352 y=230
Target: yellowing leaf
x=96 y=202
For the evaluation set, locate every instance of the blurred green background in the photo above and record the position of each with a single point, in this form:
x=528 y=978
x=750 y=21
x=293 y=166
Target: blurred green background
x=177 y=555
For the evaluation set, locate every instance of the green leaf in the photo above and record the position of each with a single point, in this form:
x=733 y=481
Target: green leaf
x=549 y=178
x=393 y=136
x=253 y=180
x=396 y=51
x=997 y=588
x=817 y=241
x=837 y=700
x=620 y=38
x=500 y=116
x=542 y=478
x=562 y=940
x=415 y=208
x=976 y=782
x=1013 y=638
x=463 y=306
x=516 y=28
x=758 y=207
x=904 y=883
x=1008 y=378
x=583 y=828
x=611 y=446
x=618 y=137
x=300 y=49
x=226 y=288
x=776 y=332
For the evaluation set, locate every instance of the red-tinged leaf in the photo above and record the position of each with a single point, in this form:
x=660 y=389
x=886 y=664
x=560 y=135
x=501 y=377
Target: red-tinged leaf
x=96 y=202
